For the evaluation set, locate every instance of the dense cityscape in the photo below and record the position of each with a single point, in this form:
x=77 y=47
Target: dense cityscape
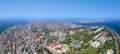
x=59 y=26
x=58 y=37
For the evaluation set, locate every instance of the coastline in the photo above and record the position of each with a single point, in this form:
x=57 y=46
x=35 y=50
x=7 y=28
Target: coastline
x=112 y=25
x=116 y=37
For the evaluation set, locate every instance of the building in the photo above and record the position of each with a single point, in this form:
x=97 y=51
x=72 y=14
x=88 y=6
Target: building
x=110 y=51
x=99 y=29
x=95 y=44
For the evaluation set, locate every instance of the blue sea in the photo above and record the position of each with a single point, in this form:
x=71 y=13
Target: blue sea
x=6 y=23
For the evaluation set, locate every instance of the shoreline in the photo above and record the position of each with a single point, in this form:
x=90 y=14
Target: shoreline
x=116 y=37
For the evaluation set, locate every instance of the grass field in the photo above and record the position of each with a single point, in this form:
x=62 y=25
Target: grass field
x=90 y=50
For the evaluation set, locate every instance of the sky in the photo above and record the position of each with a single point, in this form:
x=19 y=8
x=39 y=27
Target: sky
x=59 y=8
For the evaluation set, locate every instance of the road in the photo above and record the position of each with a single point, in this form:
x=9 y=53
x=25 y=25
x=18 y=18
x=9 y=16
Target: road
x=116 y=41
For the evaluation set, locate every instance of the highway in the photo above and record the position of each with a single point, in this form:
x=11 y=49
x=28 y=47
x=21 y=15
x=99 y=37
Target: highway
x=115 y=36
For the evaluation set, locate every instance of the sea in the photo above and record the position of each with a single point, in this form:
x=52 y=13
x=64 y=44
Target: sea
x=7 y=23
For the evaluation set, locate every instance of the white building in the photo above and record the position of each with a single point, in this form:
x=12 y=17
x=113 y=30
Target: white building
x=98 y=35
x=65 y=47
x=95 y=44
x=99 y=29
x=110 y=51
